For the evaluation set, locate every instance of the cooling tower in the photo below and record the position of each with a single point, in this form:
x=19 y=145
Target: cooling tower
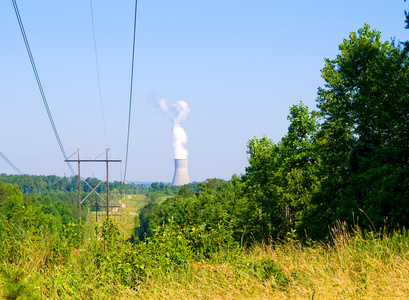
x=181 y=176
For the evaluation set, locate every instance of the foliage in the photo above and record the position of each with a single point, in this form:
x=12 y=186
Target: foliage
x=31 y=213
x=168 y=265
x=364 y=138
x=60 y=264
x=163 y=188
x=15 y=286
x=282 y=177
x=217 y=201
x=52 y=184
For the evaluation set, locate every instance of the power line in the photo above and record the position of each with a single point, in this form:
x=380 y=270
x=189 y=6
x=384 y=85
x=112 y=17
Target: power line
x=130 y=93
x=99 y=81
x=11 y=164
x=39 y=83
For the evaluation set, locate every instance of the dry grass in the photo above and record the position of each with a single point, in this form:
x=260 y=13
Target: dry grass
x=130 y=205
x=352 y=267
x=347 y=270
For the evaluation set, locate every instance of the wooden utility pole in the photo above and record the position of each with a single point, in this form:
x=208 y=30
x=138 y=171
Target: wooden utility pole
x=79 y=187
x=107 y=186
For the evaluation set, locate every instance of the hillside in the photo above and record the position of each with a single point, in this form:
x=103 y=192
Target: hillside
x=40 y=261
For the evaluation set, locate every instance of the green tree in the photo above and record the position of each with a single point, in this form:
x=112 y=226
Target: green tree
x=282 y=177
x=300 y=178
x=363 y=141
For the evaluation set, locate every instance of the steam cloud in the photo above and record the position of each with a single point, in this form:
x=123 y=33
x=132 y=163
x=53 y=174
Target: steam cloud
x=178 y=113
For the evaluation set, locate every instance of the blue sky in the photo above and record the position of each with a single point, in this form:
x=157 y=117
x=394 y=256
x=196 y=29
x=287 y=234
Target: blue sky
x=239 y=65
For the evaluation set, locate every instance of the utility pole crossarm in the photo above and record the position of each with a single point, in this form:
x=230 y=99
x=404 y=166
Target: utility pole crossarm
x=92 y=160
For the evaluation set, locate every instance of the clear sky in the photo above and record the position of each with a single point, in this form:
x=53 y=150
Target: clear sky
x=239 y=65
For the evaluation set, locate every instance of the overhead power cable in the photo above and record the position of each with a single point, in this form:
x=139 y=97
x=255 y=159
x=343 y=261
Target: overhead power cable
x=99 y=81
x=130 y=93
x=11 y=164
x=39 y=84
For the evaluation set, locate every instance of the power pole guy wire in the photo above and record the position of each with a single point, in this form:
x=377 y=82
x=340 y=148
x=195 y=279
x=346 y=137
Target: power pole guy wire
x=40 y=87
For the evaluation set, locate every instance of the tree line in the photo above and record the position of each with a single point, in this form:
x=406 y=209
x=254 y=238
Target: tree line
x=40 y=184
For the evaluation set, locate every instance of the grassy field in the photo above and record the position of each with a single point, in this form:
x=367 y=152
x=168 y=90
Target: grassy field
x=124 y=216
x=130 y=206
x=351 y=269
x=350 y=266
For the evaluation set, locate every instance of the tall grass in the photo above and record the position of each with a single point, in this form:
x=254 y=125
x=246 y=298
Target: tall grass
x=353 y=265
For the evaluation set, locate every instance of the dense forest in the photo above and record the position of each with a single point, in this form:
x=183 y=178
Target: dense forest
x=336 y=183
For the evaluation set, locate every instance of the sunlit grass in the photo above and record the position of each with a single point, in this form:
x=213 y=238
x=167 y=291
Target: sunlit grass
x=352 y=269
x=125 y=216
x=130 y=205
x=351 y=266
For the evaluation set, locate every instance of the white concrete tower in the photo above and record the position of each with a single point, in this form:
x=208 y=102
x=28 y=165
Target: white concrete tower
x=181 y=176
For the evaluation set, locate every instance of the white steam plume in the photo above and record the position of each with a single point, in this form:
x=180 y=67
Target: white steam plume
x=163 y=104
x=179 y=112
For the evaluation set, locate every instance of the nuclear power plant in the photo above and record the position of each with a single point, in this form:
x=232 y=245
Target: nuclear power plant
x=180 y=111
x=181 y=176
